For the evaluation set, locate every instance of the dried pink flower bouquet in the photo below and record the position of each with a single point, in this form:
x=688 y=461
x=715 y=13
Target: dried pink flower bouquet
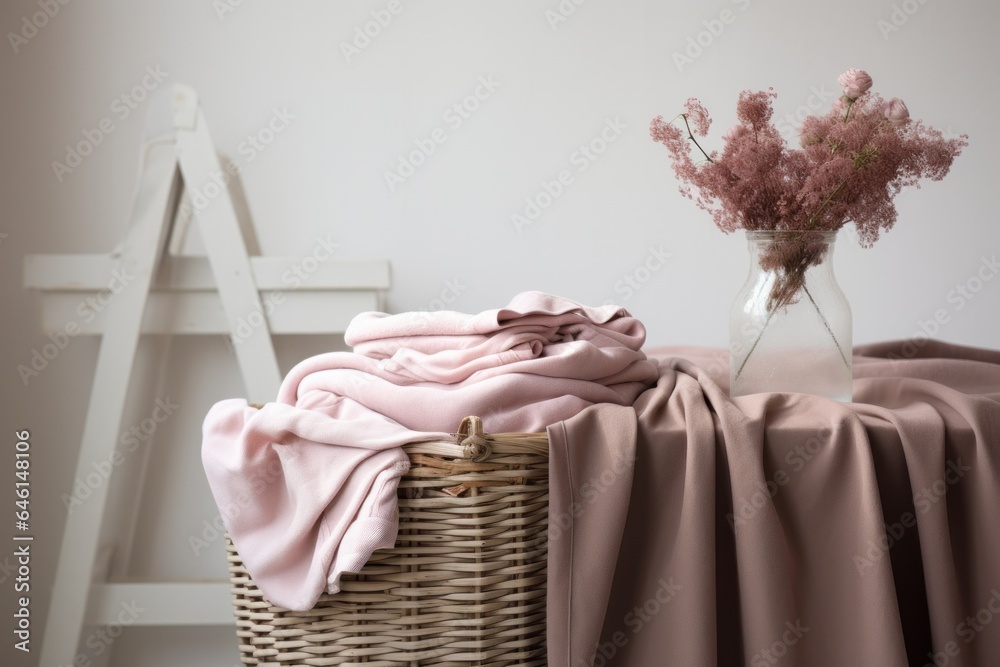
x=853 y=161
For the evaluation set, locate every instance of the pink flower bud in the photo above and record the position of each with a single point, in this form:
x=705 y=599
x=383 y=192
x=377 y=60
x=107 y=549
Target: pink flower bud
x=855 y=82
x=896 y=112
x=840 y=105
x=735 y=132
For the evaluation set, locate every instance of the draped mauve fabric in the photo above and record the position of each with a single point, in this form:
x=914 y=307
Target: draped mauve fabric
x=700 y=530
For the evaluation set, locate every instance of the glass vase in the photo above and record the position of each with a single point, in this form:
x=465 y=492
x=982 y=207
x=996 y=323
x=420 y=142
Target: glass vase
x=790 y=326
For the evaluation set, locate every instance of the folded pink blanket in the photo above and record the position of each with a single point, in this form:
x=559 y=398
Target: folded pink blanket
x=307 y=485
x=537 y=333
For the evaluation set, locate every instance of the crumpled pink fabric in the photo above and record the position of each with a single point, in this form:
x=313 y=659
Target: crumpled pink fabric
x=306 y=491
x=307 y=485
x=554 y=338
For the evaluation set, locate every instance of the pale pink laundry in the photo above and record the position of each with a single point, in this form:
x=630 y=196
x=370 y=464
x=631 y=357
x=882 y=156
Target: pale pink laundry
x=307 y=485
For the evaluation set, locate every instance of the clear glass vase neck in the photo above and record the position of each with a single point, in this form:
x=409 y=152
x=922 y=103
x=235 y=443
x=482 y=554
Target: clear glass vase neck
x=761 y=243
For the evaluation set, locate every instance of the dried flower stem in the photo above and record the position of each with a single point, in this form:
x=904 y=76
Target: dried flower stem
x=754 y=346
x=771 y=313
x=853 y=161
x=824 y=204
x=847 y=113
x=691 y=137
x=826 y=324
x=758 y=182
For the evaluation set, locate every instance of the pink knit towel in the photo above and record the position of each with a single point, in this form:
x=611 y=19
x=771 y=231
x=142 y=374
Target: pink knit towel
x=307 y=485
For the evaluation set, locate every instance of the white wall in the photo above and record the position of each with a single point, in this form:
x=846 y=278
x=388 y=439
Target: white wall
x=450 y=222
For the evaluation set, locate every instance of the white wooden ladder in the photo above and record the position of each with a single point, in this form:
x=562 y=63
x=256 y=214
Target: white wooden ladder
x=227 y=292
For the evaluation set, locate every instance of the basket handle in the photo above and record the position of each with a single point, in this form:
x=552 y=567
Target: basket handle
x=473 y=442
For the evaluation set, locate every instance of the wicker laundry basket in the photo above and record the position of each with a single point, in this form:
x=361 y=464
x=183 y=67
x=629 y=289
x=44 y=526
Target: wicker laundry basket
x=464 y=584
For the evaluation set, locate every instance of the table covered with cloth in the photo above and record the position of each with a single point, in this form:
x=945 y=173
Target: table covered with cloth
x=692 y=529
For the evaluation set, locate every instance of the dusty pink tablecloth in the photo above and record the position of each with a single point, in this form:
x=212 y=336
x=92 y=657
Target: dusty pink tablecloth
x=697 y=530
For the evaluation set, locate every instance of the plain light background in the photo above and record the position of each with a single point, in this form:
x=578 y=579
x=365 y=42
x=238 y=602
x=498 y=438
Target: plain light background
x=447 y=229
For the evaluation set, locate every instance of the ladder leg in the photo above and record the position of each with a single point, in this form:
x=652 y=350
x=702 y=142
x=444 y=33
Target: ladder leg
x=143 y=247
x=227 y=253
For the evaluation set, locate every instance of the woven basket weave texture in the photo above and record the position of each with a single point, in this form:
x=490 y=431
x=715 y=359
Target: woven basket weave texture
x=464 y=584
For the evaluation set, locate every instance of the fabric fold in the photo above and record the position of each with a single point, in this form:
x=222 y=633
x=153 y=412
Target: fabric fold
x=292 y=483
x=791 y=529
x=307 y=485
x=597 y=485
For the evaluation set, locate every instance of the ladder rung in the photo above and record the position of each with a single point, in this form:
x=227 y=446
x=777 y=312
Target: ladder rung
x=160 y=603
